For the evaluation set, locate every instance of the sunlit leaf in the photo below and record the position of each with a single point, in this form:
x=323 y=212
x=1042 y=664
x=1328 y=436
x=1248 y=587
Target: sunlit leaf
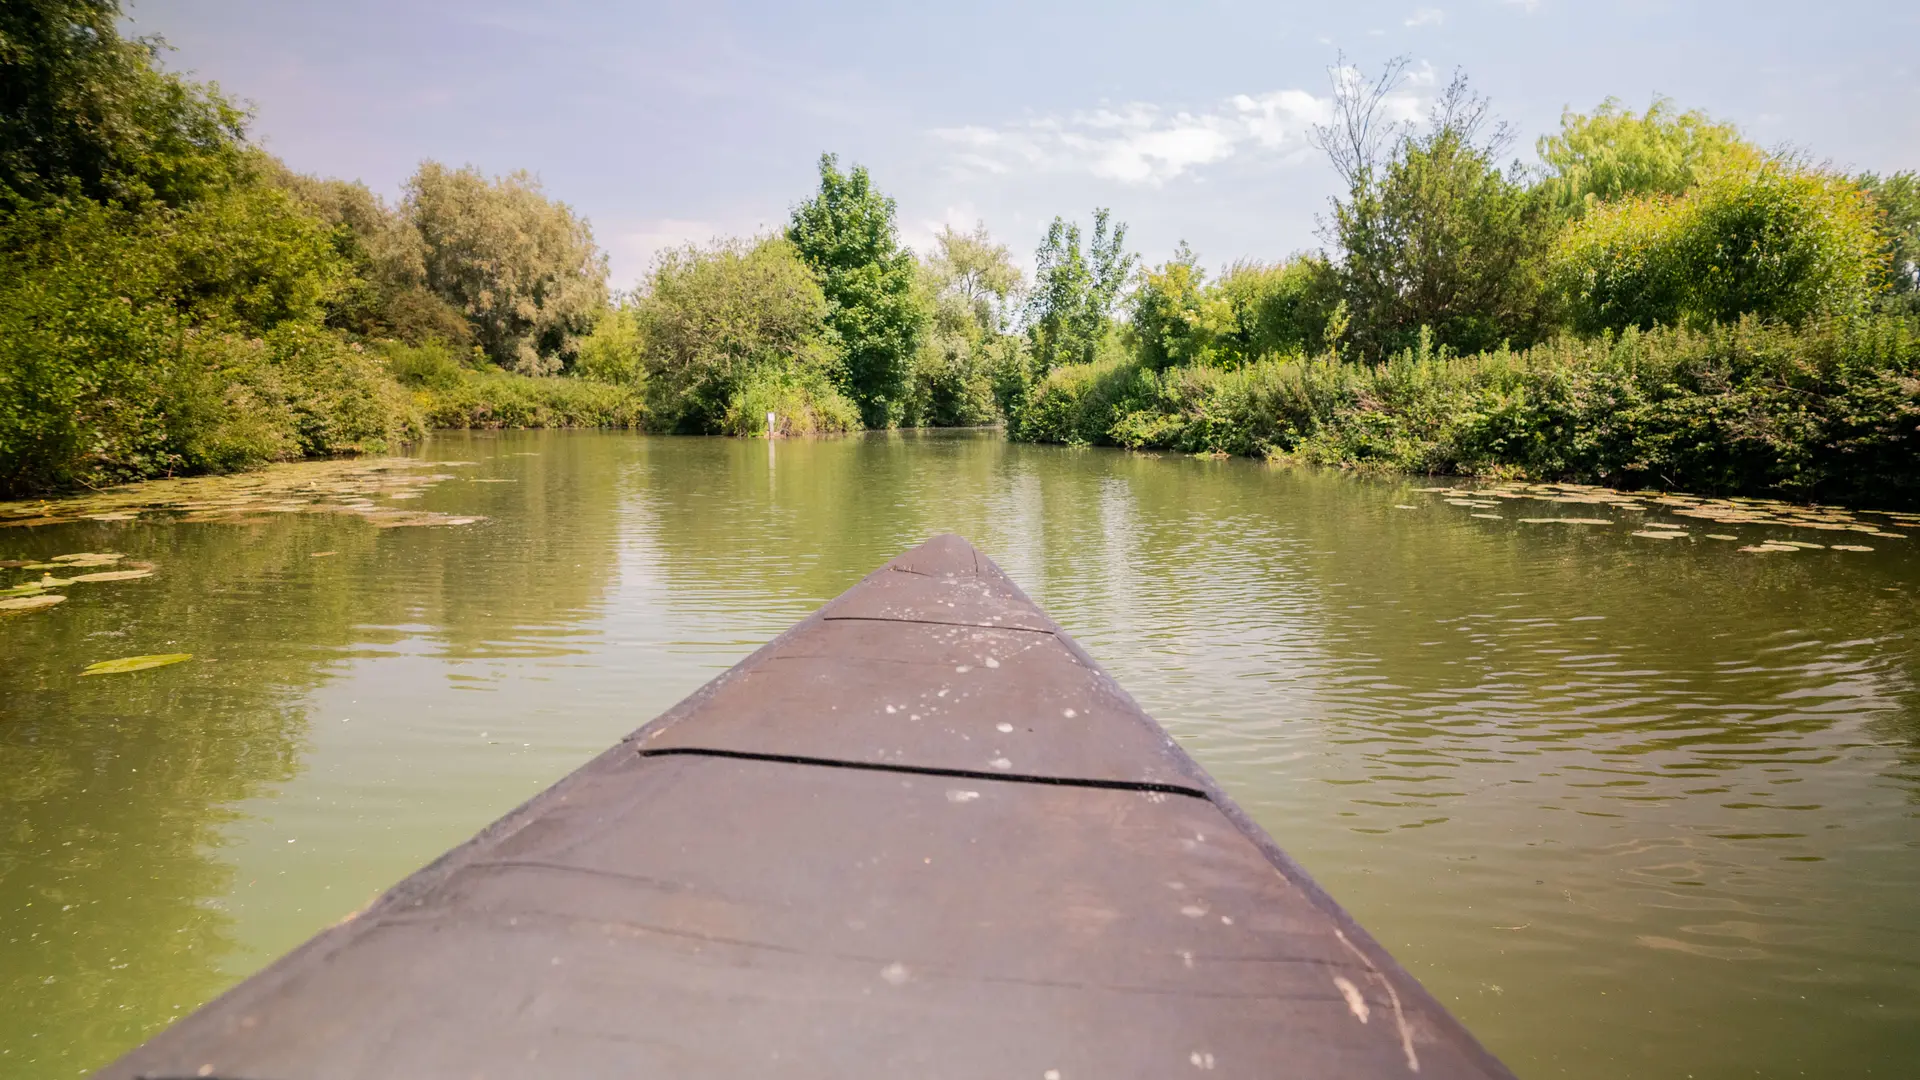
x=17 y=604
x=115 y=575
x=136 y=663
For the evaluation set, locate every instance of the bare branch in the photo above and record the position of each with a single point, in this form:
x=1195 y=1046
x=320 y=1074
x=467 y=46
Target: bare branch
x=1360 y=128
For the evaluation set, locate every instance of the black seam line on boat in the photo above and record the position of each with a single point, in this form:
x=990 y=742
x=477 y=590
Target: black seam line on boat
x=925 y=770
x=933 y=622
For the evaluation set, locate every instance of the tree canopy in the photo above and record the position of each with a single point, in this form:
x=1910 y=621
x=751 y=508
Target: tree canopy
x=86 y=112
x=521 y=267
x=846 y=234
x=1075 y=292
x=1614 y=153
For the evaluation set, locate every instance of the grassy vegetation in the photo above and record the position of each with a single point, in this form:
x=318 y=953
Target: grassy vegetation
x=1826 y=411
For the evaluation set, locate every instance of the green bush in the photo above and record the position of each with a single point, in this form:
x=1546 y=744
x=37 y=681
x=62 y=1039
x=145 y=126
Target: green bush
x=802 y=403
x=1830 y=410
x=498 y=399
x=143 y=344
x=1778 y=242
x=434 y=365
x=714 y=318
x=616 y=350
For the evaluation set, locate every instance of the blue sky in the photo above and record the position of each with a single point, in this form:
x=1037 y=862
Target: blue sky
x=665 y=123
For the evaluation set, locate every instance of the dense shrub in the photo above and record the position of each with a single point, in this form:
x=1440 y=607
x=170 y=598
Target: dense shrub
x=1254 y=310
x=499 y=399
x=1830 y=410
x=713 y=318
x=521 y=267
x=1779 y=242
x=132 y=344
x=801 y=401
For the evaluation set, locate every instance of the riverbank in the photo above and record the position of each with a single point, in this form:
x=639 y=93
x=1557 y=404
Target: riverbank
x=1829 y=412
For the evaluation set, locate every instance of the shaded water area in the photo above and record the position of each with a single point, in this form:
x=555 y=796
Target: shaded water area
x=1630 y=800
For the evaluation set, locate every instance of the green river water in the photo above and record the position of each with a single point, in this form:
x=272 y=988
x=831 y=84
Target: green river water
x=1632 y=806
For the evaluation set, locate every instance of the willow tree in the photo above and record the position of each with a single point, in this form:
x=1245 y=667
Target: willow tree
x=520 y=266
x=1615 y=153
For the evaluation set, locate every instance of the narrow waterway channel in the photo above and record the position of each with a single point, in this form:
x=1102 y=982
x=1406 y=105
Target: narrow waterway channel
x=1633 y=801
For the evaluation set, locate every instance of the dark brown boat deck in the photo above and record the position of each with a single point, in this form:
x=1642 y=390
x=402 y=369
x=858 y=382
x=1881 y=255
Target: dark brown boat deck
x=921 y=834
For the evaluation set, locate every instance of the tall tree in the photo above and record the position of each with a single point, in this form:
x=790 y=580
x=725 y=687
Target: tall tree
x=1896 y=202
x=846 y=235
x=521 y=267
x=1615 y=153
x=976 y=272
x=1436 y=235
x=713 y=318
x=84 y=111
x=1074 y=293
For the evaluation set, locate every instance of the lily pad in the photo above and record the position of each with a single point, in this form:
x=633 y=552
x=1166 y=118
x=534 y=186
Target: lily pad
x=115 y=575
x=136 y=663
x=1661 y=535
x=1721 y=536
x=1763 y=548
x=1851 y=547
x=89 y=558
x=15 y=605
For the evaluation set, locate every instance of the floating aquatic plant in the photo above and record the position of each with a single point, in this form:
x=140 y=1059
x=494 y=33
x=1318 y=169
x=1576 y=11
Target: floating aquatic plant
x=136 y=663
x=14 y=605
x=347 y=487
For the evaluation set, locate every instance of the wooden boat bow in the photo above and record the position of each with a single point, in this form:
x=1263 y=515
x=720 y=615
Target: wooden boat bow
x=920 y=834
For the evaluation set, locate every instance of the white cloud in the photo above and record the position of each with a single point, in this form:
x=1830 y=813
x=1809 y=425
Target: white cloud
x=1427 y=16
x=1528 y=6
x=1139 y=143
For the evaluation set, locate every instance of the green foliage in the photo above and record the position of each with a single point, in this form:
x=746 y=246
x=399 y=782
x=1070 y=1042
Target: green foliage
x=521 y=267
x=1828 y=411
x=139 y=344
x=846 y=235
x=1896 y=202
x=802 y=400
x=501 y=399
x=432 y=366
x=1615 y=153
x=712 y=318
x=1779 y=241
x=616 y=350
x=951 y=383
x=966 y=286
x=385 y=294
x=1255 y=310
x=971 y=272
x=1439 y=237
x=1175 y=318
x=84 y=112
x=1070 y=311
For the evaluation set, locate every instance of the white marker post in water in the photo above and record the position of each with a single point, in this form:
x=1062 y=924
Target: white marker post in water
x=770 y=425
